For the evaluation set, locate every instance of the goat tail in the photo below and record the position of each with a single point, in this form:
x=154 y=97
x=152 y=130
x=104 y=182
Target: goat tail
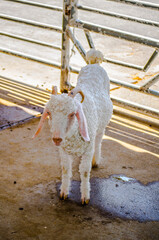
x=94 y=56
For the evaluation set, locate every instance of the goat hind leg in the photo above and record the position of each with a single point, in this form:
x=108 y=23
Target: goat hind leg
x=97 y=153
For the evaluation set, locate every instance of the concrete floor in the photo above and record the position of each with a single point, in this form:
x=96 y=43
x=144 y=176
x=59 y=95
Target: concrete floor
x=30 y=174
x=44 y=76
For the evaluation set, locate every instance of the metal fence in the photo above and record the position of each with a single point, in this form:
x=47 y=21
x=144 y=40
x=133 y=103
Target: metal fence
x=70 y=19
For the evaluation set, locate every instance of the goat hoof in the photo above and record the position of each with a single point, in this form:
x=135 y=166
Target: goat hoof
x=85 y=201
x=95 y=165
x=63 y=196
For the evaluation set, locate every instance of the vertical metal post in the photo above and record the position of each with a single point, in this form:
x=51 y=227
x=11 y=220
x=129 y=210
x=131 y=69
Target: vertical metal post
x=69 y=14
x=65 y=48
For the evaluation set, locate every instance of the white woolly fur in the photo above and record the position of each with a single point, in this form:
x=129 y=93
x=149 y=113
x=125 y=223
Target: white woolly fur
x=94 y=56
x=97 y=106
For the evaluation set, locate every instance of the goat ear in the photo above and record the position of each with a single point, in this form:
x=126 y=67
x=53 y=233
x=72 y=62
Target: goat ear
x=82 y=122
x=43 y=117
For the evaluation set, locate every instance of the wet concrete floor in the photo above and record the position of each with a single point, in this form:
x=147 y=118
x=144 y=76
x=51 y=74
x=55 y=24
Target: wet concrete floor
x=127 y=198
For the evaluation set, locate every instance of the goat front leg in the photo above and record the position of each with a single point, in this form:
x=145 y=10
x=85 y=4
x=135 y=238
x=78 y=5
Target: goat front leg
x=85 y=169
x=66 y=166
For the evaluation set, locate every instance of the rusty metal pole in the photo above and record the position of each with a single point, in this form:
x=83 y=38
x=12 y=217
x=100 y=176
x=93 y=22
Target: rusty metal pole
x=69 y=15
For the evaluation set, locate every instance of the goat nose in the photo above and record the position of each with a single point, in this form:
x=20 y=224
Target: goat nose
x=57 y=141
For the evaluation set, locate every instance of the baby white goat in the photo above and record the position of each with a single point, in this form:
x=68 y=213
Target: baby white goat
x=78 y=120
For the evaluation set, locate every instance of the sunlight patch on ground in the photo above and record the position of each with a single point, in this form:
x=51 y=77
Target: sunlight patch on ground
x=129 y=146
x=135 y=126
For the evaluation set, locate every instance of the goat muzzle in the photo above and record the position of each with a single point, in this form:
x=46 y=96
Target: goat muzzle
x=57 y=141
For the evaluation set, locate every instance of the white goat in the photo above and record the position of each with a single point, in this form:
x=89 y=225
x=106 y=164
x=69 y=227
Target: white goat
x=78 y=120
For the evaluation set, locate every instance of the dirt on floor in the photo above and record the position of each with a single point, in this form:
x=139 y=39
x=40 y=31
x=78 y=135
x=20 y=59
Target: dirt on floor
x=30 y=208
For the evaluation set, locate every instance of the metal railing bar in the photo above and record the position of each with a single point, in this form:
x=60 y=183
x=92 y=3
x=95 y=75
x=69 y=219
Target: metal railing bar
x=116 y=33
x=30 y=40
x=130 y=65
x=29 y=22
x=89 y=39
x=125 y=84
x=147 y=65
x=36 y=59
x=153 y=92
x=75 y=70
x=36 y=4
x=117 y=101
x=117 y=15
x=135 y=106
x=139 y=3
x=77 y=44
x=91 y=45
x=150 y=82
x=30 y=57
x=134 y=87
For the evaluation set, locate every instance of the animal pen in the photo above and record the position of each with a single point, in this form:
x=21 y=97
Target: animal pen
x=124 y=202
x=69 y=23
